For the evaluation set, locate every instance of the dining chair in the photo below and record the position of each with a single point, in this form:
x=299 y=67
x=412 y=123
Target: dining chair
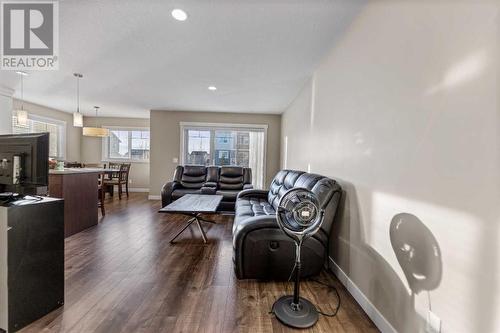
x=114 y=166
x=120 y=179
x=101 y=193
x=111 y=176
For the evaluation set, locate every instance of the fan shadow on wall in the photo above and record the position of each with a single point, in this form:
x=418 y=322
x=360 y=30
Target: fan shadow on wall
x=415 y=247
x=417 y=251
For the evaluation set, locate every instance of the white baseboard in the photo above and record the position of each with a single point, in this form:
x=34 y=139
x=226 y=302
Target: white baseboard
x=135 y=189
x=154 y=197
x=139 y=189
x=378 y=319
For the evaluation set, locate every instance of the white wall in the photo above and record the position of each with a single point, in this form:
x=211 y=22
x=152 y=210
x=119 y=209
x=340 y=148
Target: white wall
x=404 y=112
x=92 y=148
x=73 y=134
x=5 y=110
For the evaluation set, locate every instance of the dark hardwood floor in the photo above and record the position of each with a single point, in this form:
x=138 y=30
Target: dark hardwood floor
x=124 y=276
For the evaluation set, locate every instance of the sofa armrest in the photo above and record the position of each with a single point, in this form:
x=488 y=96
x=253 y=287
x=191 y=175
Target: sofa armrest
x=166 y=192
x=253 y=193
x=242 y=229
x=253 y=223
x=247 y=187
x=208 y=190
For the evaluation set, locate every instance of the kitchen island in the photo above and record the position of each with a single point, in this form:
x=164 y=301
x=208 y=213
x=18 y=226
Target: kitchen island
x=79 y=189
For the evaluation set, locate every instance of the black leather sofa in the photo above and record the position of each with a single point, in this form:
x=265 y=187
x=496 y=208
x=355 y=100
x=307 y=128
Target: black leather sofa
x=227 y=181
x=261 y=249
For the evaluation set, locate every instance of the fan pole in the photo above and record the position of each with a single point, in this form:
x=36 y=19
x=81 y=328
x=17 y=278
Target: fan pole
x=296 y=290
x=295 y=311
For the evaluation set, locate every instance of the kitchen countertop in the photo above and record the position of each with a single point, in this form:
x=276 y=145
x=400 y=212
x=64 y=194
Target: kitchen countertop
x=70 y=171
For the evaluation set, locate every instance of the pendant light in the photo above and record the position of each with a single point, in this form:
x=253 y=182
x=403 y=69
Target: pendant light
x=97 y=132
x=22 y=115
x=77 y=116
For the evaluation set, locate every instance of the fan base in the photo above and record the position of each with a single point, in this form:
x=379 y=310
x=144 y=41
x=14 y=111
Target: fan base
x=306 y=316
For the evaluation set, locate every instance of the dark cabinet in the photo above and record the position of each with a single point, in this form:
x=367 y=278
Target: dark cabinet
x=31 y=260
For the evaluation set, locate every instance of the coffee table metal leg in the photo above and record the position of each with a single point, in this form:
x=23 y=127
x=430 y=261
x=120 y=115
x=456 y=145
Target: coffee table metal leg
x=184 y=228
x=196 y=218
x=208 y=221
x=201 y=230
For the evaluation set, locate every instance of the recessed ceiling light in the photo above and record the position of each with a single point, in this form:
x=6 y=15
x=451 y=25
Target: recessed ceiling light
x=179 y=14
x=212 y=88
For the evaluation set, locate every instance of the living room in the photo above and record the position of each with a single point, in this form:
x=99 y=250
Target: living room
x=250 y=166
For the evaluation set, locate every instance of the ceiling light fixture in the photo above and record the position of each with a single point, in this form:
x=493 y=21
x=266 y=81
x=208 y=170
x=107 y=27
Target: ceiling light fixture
x=212 y=88
x=21 y=115
x=77 y=116
x=97 y=132
x=179 y=14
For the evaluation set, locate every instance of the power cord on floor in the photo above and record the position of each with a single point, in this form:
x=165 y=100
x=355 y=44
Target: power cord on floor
x=332 y=287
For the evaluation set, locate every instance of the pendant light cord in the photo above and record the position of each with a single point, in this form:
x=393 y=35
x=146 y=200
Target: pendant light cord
x=22 y=92
x=78 y=94
x=78 y=77
x=96 y=120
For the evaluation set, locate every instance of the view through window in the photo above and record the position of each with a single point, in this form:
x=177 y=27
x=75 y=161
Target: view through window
x=214 y=145
x=127 y=145
x=55 y=128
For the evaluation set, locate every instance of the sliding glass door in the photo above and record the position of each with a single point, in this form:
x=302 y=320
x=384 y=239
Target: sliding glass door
x=198 y=145
x=225 y=145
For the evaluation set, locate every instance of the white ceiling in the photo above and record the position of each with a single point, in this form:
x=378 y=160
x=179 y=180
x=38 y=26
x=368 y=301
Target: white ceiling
x=135 y=57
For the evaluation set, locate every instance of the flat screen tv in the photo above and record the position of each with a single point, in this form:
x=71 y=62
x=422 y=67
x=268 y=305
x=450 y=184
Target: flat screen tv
x=24 y=161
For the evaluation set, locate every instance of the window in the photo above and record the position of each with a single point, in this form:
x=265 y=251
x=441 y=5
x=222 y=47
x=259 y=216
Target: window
x=126 y=144
x=55 y=128
x=225 y=144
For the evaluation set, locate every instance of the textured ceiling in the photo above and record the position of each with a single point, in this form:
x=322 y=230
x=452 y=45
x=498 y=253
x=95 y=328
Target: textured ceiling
x=135 y=57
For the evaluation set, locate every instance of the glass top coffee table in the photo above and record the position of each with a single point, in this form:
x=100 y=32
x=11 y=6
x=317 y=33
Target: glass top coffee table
x=194 y=205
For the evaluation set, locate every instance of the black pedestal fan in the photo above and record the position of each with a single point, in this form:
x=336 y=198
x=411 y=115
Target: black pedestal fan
x=299 y=215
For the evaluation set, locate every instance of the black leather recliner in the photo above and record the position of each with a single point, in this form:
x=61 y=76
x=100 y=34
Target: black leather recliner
x=227 y=181
x=232 y=180
x=261 y=249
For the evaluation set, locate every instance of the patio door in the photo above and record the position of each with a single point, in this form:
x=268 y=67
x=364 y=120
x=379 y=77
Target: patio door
x=225 y=144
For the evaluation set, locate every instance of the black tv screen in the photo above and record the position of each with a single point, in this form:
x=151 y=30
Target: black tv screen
x=32 y=151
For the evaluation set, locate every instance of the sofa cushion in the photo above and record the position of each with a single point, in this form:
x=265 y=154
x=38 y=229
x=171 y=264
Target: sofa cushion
x=193 y=176
x=176 y=194
x=231 y=171
x=282 y=182
x=228 y=195
x=250 y=206
x=231 y=178
x=324 y=188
